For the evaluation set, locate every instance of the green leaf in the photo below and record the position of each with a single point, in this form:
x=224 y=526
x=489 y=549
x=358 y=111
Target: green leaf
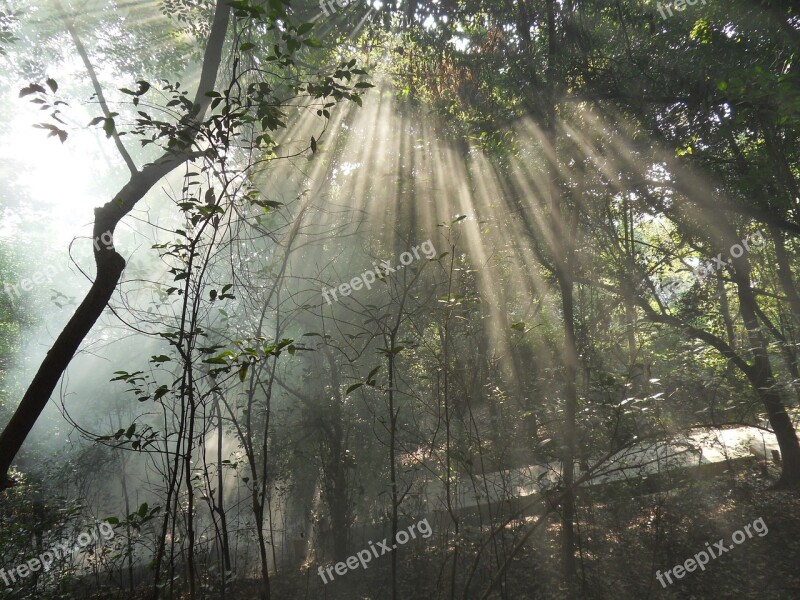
x=31 y=89
x=305 y=28
x=54 y=131
x=109 y=127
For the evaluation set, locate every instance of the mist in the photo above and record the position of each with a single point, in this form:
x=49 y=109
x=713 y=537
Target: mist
x=423 y=300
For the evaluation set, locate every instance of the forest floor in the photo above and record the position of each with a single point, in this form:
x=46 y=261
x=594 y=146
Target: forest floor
x=629 y=541
x=625 y=539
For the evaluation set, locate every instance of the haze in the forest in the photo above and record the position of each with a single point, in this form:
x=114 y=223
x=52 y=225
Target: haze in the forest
x=343 y=300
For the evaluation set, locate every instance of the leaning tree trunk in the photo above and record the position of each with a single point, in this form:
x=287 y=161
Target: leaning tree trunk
x=109 y=263
x=763 y=380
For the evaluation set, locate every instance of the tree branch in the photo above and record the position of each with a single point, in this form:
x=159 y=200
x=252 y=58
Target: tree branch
x=98 y=90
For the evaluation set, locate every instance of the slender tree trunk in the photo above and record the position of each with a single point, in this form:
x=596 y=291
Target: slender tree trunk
x=220 y=501
x=98 y=89
x=730 y=332
x=257 y=502
x=335 y=470
x=392 y=458
x=172 y=495
x=187 y=466
x=571 y=403
x=126 y=498
x=444 y=340
x=630 y=308
x=563 y=266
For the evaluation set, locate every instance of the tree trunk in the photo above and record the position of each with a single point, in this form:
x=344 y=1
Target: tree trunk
x=220 y=500
x=563 y=264
x=763 y=380
x=785 y=272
